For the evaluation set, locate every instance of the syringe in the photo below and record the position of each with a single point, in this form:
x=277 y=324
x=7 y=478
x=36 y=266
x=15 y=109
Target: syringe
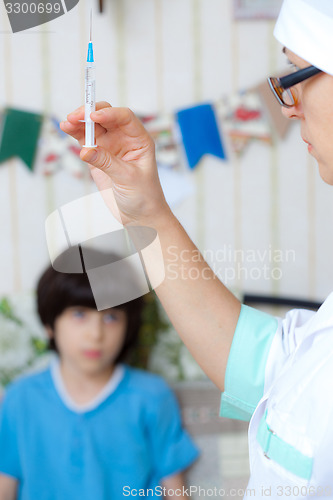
x=90 y=100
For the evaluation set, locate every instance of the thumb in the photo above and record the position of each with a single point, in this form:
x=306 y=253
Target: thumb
x=98 y=157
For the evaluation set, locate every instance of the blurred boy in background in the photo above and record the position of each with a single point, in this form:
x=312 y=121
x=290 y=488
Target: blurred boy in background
x=89 y=426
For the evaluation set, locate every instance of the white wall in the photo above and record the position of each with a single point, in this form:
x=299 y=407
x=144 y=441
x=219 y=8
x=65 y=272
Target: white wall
x=158 y=56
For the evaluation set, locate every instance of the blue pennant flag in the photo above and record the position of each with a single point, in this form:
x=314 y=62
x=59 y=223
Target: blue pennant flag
x=200 y=133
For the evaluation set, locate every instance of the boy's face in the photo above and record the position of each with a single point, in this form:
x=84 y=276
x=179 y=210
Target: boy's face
x=88 y=340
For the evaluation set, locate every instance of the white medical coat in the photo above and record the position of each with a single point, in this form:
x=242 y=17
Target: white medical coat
x=280 y=377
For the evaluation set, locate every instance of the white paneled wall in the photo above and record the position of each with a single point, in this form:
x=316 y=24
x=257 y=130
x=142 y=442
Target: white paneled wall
x=159 y=56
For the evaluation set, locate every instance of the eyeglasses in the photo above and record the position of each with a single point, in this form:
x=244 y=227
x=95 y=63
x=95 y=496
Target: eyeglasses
x=281 y=87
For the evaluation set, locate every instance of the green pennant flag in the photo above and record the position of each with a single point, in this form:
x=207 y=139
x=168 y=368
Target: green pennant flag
x=20 y=132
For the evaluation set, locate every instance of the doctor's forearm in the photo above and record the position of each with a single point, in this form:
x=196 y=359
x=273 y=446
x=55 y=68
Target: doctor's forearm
x=203 y=311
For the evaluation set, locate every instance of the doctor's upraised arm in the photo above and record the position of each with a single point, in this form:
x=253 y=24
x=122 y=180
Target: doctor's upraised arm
x=203 y=311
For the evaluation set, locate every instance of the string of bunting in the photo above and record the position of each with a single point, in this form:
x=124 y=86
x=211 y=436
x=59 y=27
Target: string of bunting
x=243 y=117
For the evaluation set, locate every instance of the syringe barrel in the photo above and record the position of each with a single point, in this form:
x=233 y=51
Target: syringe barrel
x=90 y=104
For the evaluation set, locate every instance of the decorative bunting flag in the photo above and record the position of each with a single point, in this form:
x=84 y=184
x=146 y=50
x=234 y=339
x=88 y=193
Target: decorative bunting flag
x=20 y=132
x=161 y=128
x=200 y=133
x=244 y=120
x=58 y=151
x=243 y=116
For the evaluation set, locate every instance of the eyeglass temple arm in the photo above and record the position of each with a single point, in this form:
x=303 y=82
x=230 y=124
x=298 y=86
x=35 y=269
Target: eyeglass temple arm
x=299 y=76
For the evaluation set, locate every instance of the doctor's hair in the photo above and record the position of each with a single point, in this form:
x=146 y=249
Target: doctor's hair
x=57 y=291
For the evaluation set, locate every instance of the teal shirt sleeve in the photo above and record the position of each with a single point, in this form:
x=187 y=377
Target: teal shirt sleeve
x=245 y=373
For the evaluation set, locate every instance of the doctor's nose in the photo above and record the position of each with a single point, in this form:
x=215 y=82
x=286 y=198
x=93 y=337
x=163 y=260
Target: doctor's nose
x=292 y=113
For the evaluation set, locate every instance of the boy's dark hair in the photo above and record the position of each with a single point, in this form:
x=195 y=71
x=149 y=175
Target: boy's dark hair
x=57 y=291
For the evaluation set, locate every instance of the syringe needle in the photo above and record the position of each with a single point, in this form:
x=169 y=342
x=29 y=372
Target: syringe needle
x=90 y=25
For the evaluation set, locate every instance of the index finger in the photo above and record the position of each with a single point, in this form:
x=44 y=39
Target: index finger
x=78 y=114
x=123 y=118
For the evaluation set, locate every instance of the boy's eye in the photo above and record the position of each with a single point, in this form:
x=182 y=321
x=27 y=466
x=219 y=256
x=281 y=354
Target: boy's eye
x=78 y=313
x=109 y=317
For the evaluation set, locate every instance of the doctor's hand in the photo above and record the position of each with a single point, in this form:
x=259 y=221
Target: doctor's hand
x=123 y=160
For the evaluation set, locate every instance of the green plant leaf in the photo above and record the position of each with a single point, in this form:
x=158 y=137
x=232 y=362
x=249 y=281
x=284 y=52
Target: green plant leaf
x=7 y=311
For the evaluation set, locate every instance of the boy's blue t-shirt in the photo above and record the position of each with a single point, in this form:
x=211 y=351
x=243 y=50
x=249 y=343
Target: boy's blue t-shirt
x=130 y=441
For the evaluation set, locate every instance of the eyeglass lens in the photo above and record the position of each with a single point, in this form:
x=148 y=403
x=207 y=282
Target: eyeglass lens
x=287 y=97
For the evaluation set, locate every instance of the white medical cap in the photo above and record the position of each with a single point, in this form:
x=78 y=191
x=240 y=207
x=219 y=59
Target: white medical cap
x=306 y=28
